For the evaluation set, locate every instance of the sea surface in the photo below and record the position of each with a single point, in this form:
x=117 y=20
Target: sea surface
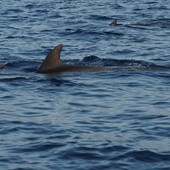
x=105 y=120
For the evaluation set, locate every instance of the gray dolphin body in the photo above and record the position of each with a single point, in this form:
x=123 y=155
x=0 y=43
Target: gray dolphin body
x=115 y=23
x=53 y=64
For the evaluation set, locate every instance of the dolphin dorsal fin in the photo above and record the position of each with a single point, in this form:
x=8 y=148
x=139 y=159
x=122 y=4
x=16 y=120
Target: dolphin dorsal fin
x=2 y=66
x=114 y=23
x=52 y=60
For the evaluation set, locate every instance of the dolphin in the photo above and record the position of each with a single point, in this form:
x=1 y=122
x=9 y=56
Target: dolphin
x=115 y=23
x=53 y=64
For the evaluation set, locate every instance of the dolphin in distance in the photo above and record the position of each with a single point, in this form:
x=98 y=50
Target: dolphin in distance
x=115 y=23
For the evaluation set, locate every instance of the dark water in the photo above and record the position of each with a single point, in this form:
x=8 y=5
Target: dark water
x=85 y=121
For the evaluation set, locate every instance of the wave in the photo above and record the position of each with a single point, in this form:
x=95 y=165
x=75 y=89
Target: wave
x=115 y=153
x=94 y=60
x=32 y=66
x=145 y=156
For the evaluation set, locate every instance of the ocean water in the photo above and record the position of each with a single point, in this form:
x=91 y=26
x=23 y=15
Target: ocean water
x=107 y=120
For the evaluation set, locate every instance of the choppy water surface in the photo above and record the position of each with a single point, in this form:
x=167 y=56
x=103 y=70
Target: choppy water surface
x=95 y=120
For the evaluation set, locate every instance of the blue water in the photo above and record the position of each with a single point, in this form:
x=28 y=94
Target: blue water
x=108 y=120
